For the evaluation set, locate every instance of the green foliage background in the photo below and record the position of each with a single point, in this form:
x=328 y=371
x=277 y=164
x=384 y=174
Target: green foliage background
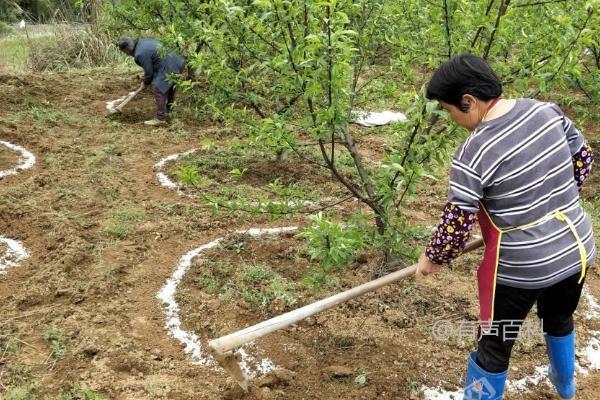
x=45 y=11
x=292 y=71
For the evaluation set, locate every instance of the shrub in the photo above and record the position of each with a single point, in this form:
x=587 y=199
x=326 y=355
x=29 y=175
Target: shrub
x=73 y=47
x=5 y=29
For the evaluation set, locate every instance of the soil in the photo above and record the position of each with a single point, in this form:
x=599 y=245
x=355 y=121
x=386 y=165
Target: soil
x=8 y=158
x=3 y=254
x=385 y=336
x=104 y=237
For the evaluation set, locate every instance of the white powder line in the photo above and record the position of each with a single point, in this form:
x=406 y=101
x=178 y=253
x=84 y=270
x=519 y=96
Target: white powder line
x=370 y=119
x=190 y=340
x=27 y=162
x=540 y=375
x=164 y=179
x=591 y=353
x=15 y=253
x=441 y=394
x=590 y=356
x=593 y=310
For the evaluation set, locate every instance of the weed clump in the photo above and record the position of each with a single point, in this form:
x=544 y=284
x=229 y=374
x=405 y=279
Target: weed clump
x=5 y=29
x=123 y=222
x=57 y=342
x=73 y=47
x=258 y=285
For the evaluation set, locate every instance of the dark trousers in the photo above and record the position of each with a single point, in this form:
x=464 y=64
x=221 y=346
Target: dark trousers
x=164 y=102
x=555 y=307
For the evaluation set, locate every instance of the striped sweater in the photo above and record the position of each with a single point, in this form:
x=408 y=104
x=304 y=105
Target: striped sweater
x=520 y=167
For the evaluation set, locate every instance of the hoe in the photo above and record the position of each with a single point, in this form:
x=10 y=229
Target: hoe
x=116 y=106
x=223 y=348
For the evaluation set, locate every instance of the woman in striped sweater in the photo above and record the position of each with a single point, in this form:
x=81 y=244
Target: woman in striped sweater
x=518 y=174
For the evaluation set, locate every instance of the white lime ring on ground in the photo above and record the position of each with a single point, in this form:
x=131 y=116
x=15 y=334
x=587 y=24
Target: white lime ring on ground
x=164 y=179
x=590 y=354
x=27 y=162
x=14 y=254
x=190 y=340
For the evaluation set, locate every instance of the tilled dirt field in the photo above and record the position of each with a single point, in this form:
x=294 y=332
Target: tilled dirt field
x=104 y=237
x=8 y=159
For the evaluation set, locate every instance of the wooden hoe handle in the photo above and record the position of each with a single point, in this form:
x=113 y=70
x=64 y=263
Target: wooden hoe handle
x=128 y=99
x=222 y=345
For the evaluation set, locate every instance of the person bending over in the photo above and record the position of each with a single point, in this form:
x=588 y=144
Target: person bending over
x=157 y=65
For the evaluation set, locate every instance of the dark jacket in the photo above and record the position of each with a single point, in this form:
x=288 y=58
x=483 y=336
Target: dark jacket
x=147 y=54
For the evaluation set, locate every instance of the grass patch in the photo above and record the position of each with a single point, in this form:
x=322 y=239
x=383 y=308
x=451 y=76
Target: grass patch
x=130 y=214
x=118 y=229
x=72 y=47
x=58 y=49
x=250 y=175
x=19 y=385
x=25 y=392
x=108 y=156
x=278 y=290
x=214 y=277
x=15 y=50
x=9 y=344
x=256 y=274
x=5 y=29
x=123 y=221
x=57 y=342
x=258 y=285
x=78 y=392
x=208 y=282
x=19 y=376
x=43 y=116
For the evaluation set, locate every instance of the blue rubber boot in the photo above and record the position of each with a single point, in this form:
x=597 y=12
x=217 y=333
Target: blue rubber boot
x=561 y=352
x=483 y=385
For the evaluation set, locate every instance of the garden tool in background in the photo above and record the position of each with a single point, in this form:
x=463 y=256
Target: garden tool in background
x=116 y=106
x=223 y=348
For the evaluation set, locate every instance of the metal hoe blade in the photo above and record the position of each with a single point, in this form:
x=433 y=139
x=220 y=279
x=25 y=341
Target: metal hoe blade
x=230 y=362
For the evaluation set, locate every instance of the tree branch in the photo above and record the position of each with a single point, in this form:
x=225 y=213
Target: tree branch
x=302 y=156
x=447 y=24
x=501 y=11
x=539 y=3
x=580 y=85
x=350 y=186
x=571 y=46
x=289 y=104
x=480 y=29
x=401 y=199
x=285 y=40
x=411 y=139
x=515 y=70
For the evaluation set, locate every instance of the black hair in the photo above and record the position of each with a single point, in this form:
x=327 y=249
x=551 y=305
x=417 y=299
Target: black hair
x=126 y=42
x=463 y=74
